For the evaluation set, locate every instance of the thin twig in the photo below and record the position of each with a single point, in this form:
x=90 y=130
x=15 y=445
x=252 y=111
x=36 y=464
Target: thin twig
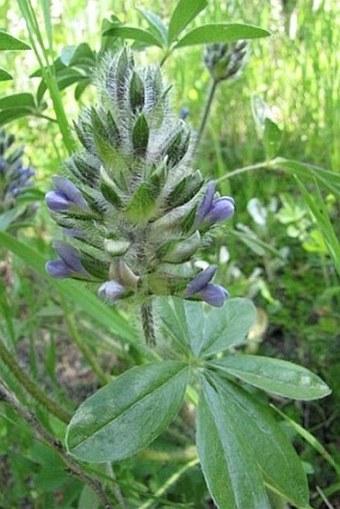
x=8 y=397
x=238 y=171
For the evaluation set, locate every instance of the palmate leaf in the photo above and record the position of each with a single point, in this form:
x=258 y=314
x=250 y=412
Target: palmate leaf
x=274 y=376
x=229 y=468
x=206 y=333
x=227 y=326
x=126 y=415
x=221 y=32
x=279 y=463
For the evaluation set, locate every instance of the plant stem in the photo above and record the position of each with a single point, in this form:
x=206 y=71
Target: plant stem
x=116 y=489
x=31 y=387
x=206 y=112
x=238 y=171
x=7 y=396
x=148 y=325
x=165 y=57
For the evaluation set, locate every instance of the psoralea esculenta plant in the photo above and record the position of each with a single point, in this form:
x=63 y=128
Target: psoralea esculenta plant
x=133 y=209
x=15 y=177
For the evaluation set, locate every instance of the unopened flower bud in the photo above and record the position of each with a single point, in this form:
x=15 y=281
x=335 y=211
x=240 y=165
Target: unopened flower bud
x=111 y=291
x=212 y=210
x=69 y=264
x=225 y=60
x=200 y=287
x=64 y=196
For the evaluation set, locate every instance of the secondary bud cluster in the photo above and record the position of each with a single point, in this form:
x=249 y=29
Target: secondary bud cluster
x=130 y=204
x=14 y=177
x=225 y=60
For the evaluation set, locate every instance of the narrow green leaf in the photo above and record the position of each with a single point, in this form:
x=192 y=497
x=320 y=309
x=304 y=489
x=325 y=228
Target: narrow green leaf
x=221 y=32
x=83 y=56
x=319 y=211
x=8 y=42
x=229 y=468
x=157 y=26
x=46 y=8
x=227 y=326
x=137 y=34
x=328 y=179
x=23 y=100
x=310 y=439
x=7 y=217
x=273 y=452
x=272 y=137
x=126 y=415
x=185 y=11
x=274 y=376
x=10 y=114
x=105 y=316
x=4 y=75
x=182 y=320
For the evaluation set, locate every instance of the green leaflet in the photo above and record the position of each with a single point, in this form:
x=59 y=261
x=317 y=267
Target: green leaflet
x=274 y=376
x=229 y=468
x=221 y=32
x=273 y=452
x=126 y=415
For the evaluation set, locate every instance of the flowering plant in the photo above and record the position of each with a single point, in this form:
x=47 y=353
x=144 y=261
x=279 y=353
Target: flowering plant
x=15 y=179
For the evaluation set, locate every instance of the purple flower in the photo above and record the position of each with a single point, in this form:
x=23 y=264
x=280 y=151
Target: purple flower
x=69 y=265
x=184 y=113
x=200 y=287
x=64 y=196
x=212 y=210
x=111 y=291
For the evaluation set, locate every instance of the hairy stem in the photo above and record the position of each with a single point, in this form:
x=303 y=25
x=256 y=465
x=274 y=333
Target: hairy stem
x=148 y=325
x=7 y=396
x=206 y=111
x=31 y=387
x=238 y=171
